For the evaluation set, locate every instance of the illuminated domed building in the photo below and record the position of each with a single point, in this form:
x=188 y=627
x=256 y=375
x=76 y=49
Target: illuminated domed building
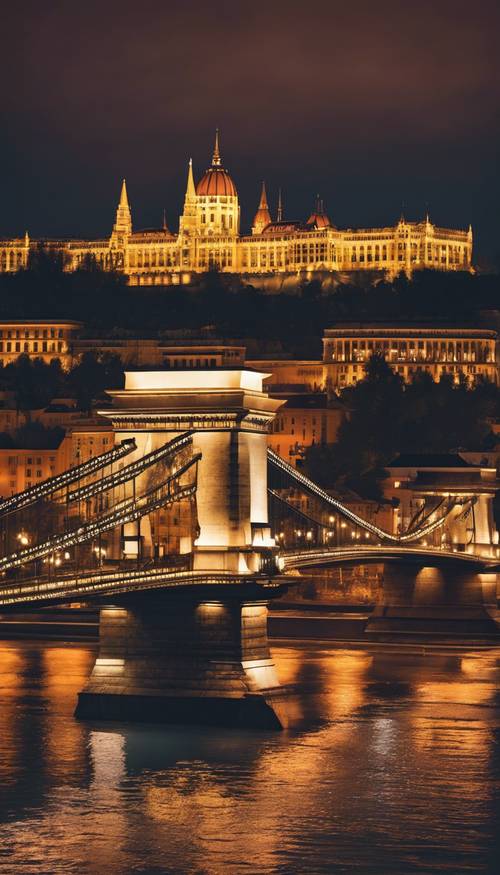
x=209 y=237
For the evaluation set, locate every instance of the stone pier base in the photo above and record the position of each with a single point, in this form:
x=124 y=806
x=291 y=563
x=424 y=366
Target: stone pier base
x=185 y=658
x=434 y=603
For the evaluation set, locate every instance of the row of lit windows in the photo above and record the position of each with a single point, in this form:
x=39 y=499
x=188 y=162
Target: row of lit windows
x=28 y=460
x=11 y=260
x=191 y=363
x=220 y=259
x=412 y=350
x=34 y=332
x=34 y=347
x=225 y=221
x=153 y=258
x=106 y=259
x=220 y=199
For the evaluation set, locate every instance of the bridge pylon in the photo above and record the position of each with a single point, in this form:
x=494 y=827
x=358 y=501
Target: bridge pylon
x=196 y=653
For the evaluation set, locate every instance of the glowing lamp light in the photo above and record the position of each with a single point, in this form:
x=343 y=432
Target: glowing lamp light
x=397 y=484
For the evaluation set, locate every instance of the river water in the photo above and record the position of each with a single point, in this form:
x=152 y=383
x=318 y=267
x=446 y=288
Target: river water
x=391 y=764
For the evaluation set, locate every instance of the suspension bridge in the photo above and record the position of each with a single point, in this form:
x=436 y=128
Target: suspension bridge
x=184 y=531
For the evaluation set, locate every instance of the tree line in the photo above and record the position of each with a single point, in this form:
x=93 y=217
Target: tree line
x=387 y=416
x=236 y=309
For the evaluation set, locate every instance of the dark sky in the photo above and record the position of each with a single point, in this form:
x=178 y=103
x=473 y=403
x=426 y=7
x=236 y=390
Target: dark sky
x=370 y=103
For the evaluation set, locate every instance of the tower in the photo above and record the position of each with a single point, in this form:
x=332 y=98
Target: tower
x=262 y=217
x=189 y=219
x=318 y=218
x=122 y=228
x=279 y=215
x=218 y=208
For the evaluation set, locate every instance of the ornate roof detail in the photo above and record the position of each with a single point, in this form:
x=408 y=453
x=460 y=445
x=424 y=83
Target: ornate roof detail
x=318 y=218
x=262 y=217
x=216 y=181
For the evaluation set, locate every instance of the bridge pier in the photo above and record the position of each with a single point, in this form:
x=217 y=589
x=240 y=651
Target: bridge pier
x=193 y=657
x=433 y=602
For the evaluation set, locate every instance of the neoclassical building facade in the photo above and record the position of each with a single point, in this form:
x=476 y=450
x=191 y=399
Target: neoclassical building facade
x=209 y=237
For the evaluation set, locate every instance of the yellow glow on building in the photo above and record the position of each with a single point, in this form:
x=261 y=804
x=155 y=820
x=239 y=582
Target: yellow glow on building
x=209 y=237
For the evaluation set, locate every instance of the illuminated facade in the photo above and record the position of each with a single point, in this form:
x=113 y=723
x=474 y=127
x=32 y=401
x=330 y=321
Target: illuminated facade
x=209 y=237
x=305 y=420
x=409 y=350
x=38 y=339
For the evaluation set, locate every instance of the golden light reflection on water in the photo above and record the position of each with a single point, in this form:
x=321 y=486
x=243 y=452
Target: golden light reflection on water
x=12 y=680
x=62 y=667
x=385 y=743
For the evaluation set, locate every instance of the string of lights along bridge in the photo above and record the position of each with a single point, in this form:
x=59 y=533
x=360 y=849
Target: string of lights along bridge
x=209 y=237
x=188 y=527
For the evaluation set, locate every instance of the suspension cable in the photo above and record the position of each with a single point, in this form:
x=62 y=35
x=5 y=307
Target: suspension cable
x=311 y=487
x=53 y=484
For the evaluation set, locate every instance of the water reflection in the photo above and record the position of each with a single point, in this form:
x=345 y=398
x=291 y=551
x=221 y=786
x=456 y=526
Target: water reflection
x=390 y=764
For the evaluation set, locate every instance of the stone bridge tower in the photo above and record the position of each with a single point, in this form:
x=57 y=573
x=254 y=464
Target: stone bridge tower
x=198 y=652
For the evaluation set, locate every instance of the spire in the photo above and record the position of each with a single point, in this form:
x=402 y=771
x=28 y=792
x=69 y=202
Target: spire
x=164 y=225
x=216 y=156
x=263 y=198
x=318 y=218
x=262 y=217
x=123 y=222
x=190 y=189
x=279 y=217
x=189 y=219
x=123 y=195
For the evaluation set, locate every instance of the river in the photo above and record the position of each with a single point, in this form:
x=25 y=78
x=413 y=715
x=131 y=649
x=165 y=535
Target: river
x=390 y=764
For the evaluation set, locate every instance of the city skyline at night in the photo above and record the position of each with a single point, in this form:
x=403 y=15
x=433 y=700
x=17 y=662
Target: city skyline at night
x=209 y=237
x=379 y=109
x=249 y=437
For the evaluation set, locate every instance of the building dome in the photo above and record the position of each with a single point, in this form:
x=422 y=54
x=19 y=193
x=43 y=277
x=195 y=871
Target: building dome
x=216 y=181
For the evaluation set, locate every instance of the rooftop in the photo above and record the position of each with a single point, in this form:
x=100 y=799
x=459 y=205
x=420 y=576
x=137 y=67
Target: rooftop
x=430 y=460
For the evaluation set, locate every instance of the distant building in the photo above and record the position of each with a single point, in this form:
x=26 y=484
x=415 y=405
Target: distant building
x=21 y=468
x=410 y=350
x=305 y=420
x=423 y=484
x=84 y=438
x=209 y=237
x=138 y=352
x=36 y=338
x=290 y=376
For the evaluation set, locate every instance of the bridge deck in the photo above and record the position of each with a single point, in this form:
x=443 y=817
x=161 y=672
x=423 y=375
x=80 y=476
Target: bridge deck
x=120 y=580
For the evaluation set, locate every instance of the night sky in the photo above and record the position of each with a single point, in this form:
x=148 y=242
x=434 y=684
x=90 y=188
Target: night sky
x=370 y=104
